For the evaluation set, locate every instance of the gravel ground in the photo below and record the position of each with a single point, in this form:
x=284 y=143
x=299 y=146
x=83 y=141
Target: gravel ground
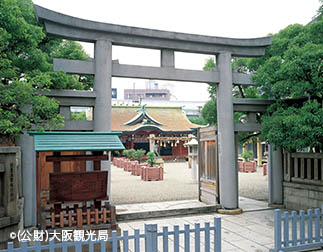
x=253 y=185
x=176 y=185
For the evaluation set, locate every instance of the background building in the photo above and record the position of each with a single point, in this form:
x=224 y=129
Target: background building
x=168 y=125
x=151 y=92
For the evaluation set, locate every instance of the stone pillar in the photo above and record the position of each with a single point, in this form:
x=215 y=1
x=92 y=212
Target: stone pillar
x=227 y=169
x=28 y=163
x=275 y=176
x=11 y=201
x=194 y=169
x=259 y=152
x=102 y=87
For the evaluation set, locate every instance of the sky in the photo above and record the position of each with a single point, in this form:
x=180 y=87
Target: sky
x=221 y=18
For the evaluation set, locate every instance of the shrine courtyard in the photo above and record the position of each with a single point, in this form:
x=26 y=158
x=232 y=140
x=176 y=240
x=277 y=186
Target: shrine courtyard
x=176 y=186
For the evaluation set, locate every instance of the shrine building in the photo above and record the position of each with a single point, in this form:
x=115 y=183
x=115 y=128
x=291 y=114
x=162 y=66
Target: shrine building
x=165 y=129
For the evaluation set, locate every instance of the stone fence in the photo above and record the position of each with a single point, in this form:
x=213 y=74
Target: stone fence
x=303 y=180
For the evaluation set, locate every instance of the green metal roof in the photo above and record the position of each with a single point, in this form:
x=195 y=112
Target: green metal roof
x=76 y=141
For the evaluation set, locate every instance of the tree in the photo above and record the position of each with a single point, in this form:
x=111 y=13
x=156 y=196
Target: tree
x=26 y=69
x=197 y=120
x=291 y=72
x=209 y=112
x=139 y=154
x=151 y=158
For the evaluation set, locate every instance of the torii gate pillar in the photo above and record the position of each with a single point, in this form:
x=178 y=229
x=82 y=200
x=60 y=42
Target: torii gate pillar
x=228 y=175
x=103 y=89
x=102 y=85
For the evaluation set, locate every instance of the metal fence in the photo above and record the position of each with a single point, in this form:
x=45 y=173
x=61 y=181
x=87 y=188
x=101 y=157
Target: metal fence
x=297 y=232
x=207 y=238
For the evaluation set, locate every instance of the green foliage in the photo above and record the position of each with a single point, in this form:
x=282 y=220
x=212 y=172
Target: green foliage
x=132 y=153
x=16 y=112
x=292 y=68
x=78 y=116
x=197 y=120
x=125 y=153
x=26 y=56
x=139 y=154
x=293 y=128
x=151 y=158
x=247 y=155
x=209 y=112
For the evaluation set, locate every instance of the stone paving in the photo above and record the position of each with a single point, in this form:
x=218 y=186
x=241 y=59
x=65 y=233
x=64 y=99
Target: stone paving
x=245 y=203
x=253 y=230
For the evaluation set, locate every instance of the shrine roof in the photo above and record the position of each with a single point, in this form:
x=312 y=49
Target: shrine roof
x=76 y=141
x=167 y=119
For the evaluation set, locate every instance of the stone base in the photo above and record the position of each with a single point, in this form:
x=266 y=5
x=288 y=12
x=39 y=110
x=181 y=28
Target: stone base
x=230 y=211
x=280 y=206
x=298 y=196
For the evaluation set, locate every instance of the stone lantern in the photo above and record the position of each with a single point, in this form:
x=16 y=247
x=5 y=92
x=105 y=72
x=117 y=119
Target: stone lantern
x=192 y=153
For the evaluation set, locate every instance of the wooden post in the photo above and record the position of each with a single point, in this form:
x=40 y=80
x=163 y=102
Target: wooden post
x=57 y=168
x=70 y=221
x=79 y=218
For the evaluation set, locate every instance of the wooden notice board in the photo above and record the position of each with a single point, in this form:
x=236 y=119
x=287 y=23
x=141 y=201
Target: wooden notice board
x=77 y=186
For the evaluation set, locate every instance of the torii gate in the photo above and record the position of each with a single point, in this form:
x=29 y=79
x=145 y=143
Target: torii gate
x=105 y=35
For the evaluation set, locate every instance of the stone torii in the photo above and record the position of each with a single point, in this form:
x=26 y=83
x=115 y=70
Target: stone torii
x=105 y=35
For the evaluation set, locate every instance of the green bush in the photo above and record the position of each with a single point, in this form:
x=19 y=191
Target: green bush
x=132 y=153
x=125 y=153
x=151 y=158
x=247 y=155
x=139 y=154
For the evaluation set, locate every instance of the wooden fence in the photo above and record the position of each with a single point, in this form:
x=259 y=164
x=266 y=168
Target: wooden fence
x=207 y=238
x=297 y=232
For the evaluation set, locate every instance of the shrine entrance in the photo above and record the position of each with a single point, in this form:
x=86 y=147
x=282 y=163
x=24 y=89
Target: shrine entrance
x=103 y=68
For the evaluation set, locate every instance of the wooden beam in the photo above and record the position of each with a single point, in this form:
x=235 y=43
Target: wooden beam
x=76 y=158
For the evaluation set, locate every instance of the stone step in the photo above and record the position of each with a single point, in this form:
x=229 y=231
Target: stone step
x=165 y=213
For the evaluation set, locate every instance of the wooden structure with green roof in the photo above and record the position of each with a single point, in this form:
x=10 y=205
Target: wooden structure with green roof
x=143 y=127
x=73 y=197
